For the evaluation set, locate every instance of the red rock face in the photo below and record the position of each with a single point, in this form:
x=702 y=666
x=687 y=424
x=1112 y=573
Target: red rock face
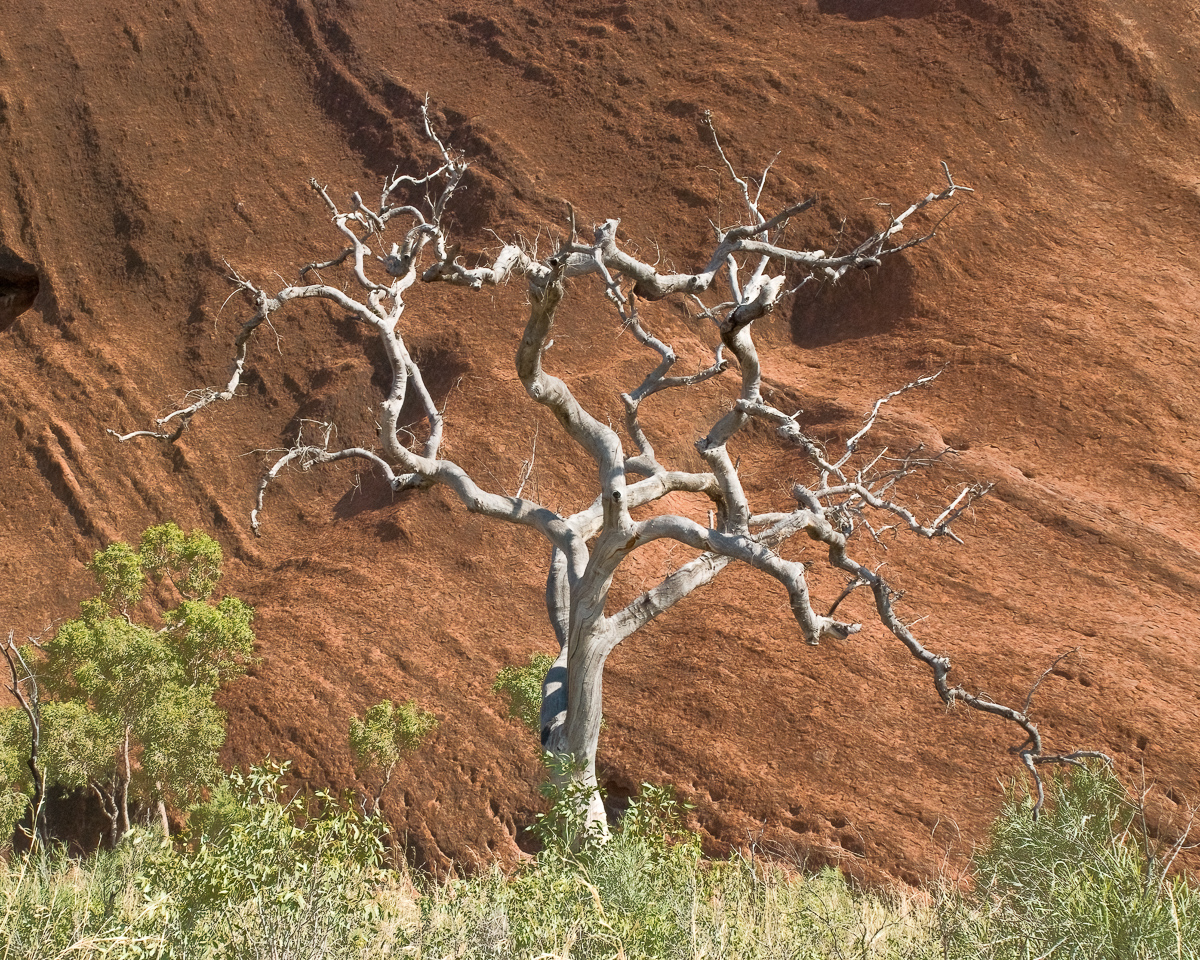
x=146 y=147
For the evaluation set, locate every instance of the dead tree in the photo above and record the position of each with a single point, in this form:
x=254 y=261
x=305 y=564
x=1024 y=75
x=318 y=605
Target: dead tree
x=841 y=497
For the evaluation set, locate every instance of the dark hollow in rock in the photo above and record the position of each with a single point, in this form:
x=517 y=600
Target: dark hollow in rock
x=19 y=287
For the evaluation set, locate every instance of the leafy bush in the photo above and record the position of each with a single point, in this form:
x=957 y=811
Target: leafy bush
x=126 y=708
x=522 y=688
x=268 y=877
x=14 y=775
x=645 y=892
x=272 y=875
x=382 y=738
x=1083 y=880
x=563 y=828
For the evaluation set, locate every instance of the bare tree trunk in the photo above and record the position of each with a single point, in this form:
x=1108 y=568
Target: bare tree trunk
x=377 y=798
x=108 y=804
x=123 y=778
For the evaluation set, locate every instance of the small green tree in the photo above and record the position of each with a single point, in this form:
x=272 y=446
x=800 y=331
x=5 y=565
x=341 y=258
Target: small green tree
x=127 y=708
x=382 y=738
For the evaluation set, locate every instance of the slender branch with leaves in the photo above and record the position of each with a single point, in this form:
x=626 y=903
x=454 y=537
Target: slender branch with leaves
x=382 y=738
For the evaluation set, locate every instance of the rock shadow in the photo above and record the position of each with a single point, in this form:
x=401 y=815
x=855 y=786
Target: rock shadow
x=984 y=11
x=871 y=9
x=20 y=285
x=863 y=303
x=376 y=128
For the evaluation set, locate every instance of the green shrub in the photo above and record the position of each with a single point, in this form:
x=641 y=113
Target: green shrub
x=265 y=877
x=272 y=875
x=647 y=893
x=126 y=706
x=1083 y=880
x=522 y=688
x=268 y=876
x=380 y=740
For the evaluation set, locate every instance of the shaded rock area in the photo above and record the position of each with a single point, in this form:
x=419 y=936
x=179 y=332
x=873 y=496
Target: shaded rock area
x=148 y=145
x=19 y=287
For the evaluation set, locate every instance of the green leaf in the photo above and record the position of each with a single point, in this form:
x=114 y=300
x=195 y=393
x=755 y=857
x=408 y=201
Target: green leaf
x=79 y=747
x=386 y=733
x=14 y=748
x=213 y=644
x=119 y=575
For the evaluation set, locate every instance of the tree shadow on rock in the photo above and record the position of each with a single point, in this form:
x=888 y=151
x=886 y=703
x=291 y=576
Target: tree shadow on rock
x=871 y=9
x=863 y=303
x=19 y=287
x=368 y=493
x=442 y=367
x=340 y=393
